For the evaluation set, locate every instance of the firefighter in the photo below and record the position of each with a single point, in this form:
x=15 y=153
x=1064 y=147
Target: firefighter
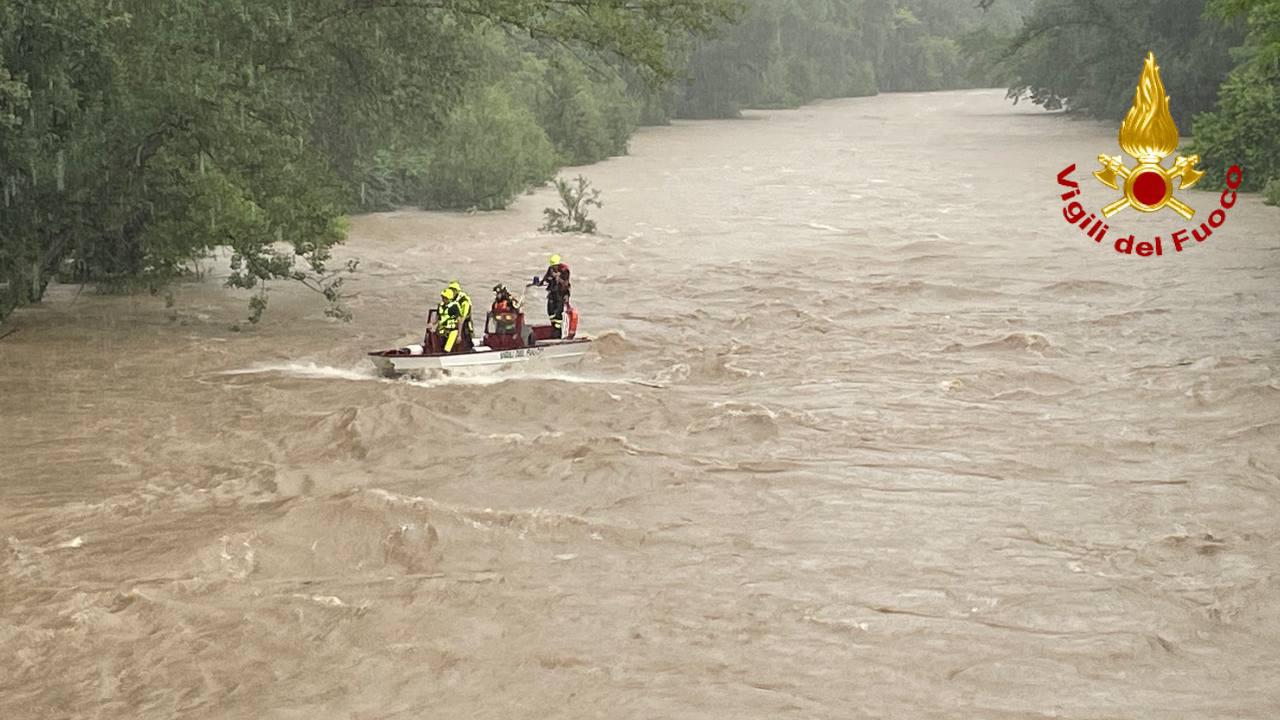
x=556 y=281
x=504 y=310
x=449 y=319
x=464 y=303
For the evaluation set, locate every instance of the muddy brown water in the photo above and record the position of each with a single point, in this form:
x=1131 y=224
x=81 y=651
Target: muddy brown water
x=869 y=432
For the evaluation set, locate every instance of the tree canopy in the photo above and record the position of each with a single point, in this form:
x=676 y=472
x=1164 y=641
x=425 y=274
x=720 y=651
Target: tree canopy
x=1219 y=59
x=1244 y=128
x=137 y=134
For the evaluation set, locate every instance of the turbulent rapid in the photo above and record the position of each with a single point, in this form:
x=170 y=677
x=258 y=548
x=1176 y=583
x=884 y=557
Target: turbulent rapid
x=867 y=431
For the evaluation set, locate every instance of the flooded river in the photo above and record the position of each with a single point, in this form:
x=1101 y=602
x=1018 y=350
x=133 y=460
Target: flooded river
x=869 y=432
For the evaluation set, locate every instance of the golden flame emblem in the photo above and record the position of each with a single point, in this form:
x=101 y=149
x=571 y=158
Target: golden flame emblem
x=1149 y=135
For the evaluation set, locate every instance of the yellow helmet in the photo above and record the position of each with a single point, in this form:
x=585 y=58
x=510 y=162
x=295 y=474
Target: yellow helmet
x=553 y=260
x=453 y=285
x=449 y=293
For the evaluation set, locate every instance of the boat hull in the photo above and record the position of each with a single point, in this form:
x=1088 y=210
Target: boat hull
x=414 y=360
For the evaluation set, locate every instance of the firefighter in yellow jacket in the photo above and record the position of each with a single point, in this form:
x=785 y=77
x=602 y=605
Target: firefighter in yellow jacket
x=464 y=302
x=453 y=317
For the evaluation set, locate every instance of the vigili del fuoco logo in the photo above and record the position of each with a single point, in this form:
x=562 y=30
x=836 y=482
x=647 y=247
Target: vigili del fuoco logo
x=1149 y=136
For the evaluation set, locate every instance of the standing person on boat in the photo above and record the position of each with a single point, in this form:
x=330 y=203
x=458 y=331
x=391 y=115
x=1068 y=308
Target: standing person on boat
x=556 y=280
x=464 y=303
x=449 y=319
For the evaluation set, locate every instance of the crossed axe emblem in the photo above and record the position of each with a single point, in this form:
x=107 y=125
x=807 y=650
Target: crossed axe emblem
x=1148 y=186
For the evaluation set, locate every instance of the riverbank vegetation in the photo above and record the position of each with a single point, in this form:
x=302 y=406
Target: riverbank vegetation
x=138 y=135
x=784 y=53
x=1219 y=59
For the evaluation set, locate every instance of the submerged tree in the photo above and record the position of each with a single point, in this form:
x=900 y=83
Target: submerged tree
x=575 y=198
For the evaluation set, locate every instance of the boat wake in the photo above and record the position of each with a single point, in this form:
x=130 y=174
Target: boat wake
x=312 y=371
x=306 y=370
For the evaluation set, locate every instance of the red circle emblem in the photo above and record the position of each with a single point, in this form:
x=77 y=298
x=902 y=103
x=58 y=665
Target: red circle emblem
x=1150 y=188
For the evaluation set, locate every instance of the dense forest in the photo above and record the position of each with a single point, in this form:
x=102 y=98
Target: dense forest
x=137 y=135
x=787 y=52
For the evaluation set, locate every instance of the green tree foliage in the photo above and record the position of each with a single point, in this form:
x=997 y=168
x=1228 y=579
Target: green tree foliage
x=1220 y=62
x=783 y=53
x=1086 y=55
x=489 y=151
x=530 y=108
x=787 y=52
x=156 y=131
x=587 y=117
x=1245 y=127
x=59 y=50
x=924 y=48
x=137 y=134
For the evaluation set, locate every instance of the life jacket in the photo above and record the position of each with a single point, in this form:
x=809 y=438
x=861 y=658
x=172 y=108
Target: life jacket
x=503 y=311
x=557 y=279
x=448 y=314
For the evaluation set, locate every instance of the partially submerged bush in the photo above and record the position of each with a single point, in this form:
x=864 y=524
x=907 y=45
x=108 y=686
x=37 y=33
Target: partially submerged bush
x=575 y=198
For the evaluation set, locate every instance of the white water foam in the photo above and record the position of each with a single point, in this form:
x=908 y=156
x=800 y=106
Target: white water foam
x=306 y=370
x=312 y=371
x=822 y=226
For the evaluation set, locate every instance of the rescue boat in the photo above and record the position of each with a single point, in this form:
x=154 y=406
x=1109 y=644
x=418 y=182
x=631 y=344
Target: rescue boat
x=507 y=340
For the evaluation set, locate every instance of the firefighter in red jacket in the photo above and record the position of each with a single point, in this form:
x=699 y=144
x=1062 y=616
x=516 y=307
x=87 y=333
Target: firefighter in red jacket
x=504 y=310
x=556 y=280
